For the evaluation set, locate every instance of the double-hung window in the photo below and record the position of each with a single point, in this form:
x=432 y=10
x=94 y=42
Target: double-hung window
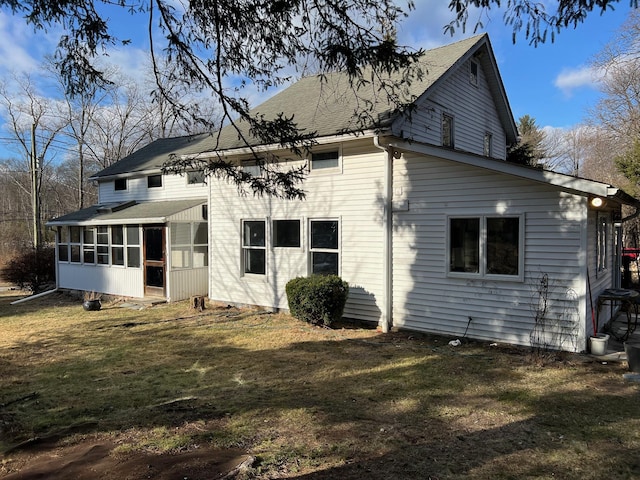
x=486 y=246
x=75 y=240
x=254 y=247
x=324 y=247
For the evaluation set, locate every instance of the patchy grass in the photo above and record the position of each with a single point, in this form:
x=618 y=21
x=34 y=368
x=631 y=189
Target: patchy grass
x=306 y=401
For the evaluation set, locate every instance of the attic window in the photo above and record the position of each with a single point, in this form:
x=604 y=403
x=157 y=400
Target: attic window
x=120 y=184
x=473 y=72
x=154 y=181
x=488 y=144
x=447 y=130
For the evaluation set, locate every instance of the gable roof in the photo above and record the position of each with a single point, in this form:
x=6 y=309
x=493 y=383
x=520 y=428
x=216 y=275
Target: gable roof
x=327 y=105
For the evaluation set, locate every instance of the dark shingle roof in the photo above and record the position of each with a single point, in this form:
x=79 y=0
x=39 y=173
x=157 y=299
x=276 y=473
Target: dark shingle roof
x=322 y=104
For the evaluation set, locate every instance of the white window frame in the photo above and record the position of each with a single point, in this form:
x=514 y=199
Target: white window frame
x=244 y=248
x=252 y=167
x=274 y=230
x=188 y=249
x=327 y=170
x=88 y=246
x=75 y=244
x=129 y=245
x=63 y=243
x=313 y=249
x=482 y=248
x=196 y=178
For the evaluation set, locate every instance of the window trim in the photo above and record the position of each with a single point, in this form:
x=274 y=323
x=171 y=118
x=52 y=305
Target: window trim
x=244 y=248
x=274 y=230
x=115 y=185
x=193 y=177
x=191 y=247
x=312 y=250
x=482 y=252
x=327 y=170
x=98 y=250
x=149 y=177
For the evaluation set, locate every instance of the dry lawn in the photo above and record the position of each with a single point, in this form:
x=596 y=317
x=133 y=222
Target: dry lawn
x=305 y=402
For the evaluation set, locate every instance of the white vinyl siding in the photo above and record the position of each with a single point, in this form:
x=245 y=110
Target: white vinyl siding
x=353 y=197
x=426 y=298
x=472 y=108
x=174 y=187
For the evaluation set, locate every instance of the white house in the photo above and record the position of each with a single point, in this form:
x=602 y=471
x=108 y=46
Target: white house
x=421 y=214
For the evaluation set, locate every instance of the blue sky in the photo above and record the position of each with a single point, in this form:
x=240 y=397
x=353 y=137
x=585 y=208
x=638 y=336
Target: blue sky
x=551 y=83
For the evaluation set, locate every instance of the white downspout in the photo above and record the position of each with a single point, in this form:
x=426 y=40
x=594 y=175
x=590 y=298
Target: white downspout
x=387 y=225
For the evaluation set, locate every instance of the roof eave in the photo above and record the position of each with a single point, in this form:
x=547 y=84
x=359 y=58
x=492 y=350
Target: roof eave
x=568 y=183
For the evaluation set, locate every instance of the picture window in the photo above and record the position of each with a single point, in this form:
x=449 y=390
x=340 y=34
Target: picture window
x=286 y=233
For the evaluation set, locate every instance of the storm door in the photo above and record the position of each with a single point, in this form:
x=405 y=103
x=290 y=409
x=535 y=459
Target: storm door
x=154 y=261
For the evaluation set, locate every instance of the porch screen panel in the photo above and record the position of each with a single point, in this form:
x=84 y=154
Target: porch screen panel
x=181 y=245
x=133 y=246
x=117 y=245
x=102 y=248
x=200 y=245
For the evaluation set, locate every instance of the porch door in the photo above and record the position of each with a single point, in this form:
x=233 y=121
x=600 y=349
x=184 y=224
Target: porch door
x=154 y=261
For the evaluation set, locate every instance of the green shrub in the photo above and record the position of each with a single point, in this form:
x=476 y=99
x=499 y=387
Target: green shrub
x=31 y=269
x=318 y=299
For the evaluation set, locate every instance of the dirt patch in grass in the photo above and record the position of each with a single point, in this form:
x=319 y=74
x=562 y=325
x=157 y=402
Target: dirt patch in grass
x=171 y=391
x=90 y=460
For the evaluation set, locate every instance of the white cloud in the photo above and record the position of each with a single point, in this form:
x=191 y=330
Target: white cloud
x=571 y=79
x=15 y=39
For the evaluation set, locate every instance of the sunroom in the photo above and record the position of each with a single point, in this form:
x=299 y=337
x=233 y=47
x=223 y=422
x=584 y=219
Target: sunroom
x=134 y=249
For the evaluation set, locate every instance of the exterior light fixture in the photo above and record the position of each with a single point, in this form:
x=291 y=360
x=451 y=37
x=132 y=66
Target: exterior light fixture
x=597 y=202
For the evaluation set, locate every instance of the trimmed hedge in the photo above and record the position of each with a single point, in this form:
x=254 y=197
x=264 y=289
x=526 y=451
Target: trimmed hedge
x=318 y=299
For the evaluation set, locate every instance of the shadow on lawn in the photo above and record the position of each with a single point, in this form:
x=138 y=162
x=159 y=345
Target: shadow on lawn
x=394 y=405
